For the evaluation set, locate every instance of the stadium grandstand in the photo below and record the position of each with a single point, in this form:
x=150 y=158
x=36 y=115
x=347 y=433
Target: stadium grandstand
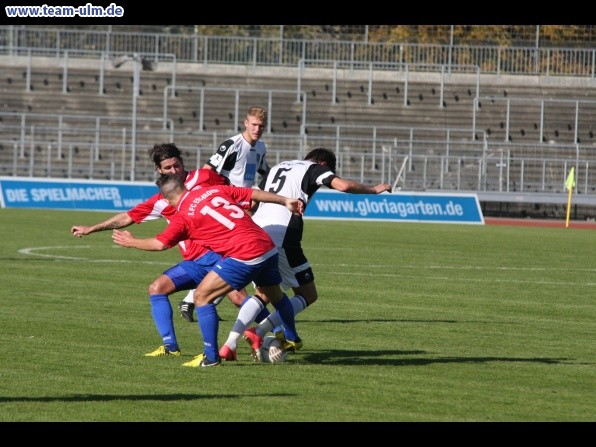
x=501 y=111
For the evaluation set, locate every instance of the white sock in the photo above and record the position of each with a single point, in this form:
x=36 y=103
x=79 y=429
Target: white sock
x=274 y=320
x=189 y=297
x=246 y=315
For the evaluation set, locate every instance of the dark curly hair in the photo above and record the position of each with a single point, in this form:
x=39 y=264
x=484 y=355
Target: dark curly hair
x=321 y=154
x=163 y=151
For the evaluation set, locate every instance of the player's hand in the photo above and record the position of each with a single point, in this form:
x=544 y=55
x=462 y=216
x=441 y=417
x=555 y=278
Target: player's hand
x=382 y=187
x=123 y=238
x=296 y=206
x=79 y=231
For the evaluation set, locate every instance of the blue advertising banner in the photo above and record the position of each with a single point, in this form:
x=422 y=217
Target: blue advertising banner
x=23 y=192
x=401 y=207
x=85 y=195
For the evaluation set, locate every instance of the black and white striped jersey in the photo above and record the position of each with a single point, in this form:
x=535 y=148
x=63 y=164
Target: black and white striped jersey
x=298 y=179
x=237 y=160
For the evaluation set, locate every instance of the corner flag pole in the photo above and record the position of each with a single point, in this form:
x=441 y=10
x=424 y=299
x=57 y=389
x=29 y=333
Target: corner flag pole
x=569 y=184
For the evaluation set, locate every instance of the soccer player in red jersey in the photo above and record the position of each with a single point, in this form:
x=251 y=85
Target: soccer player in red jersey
x=239 y=158
x=197 y=259
x=215 y=218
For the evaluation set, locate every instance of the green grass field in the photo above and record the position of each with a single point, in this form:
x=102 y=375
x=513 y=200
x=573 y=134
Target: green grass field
x=414 y=323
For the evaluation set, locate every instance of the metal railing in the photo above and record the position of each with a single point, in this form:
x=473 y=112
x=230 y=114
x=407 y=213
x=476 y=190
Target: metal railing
x=539 y=111
x=375 y=68
x=251 y=51
x=140 y=61
x=234 y=96
x=96 y=149
x=448 y=164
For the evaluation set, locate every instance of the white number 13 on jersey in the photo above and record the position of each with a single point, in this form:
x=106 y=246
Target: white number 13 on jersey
x=237 y=212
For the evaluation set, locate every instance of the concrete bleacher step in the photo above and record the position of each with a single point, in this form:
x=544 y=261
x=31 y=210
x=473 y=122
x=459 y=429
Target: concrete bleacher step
x=386 y=110
x=387 y=106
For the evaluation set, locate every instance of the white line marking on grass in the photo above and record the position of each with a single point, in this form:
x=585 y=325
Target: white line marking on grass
x=447 y=278
x=531 y=269
x=463 y=267
x=33 y=251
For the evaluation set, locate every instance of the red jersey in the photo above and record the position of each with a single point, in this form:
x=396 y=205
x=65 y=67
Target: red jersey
x=213 y=216
x=156 y=206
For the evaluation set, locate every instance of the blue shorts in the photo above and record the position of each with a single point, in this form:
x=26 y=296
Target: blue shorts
x=188 y=274
x=238 y=274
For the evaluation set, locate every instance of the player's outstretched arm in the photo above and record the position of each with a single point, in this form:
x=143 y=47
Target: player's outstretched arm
x=126 y=239
x=119 y=220
x=352 y=187
x=296 y=206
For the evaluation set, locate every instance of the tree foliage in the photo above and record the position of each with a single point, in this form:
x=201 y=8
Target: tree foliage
x=473 y=35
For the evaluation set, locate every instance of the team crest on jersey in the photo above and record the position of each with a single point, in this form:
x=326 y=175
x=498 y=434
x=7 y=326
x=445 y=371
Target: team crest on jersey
x=216 y=159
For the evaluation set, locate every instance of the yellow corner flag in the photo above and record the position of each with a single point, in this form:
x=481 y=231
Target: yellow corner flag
x=570 y=182
x=569 y=185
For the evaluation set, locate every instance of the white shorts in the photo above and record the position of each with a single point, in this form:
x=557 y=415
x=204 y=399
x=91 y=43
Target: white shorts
x=294 y=268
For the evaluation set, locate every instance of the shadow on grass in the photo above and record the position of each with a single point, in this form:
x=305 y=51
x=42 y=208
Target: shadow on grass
x=380 y=358
x=131 y=397
x=377 y=320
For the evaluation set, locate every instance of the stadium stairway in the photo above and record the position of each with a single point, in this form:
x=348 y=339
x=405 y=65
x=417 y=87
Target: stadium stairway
x=229 y=91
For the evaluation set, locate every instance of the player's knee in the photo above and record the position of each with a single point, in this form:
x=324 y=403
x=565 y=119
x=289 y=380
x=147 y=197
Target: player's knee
x=270 y=294
x=204 y=297
x=236 y=300
x=310 y=298
x=161 y=287
x=263 y=297
x=237 y=297
x=154 y=288
x=308 y=292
